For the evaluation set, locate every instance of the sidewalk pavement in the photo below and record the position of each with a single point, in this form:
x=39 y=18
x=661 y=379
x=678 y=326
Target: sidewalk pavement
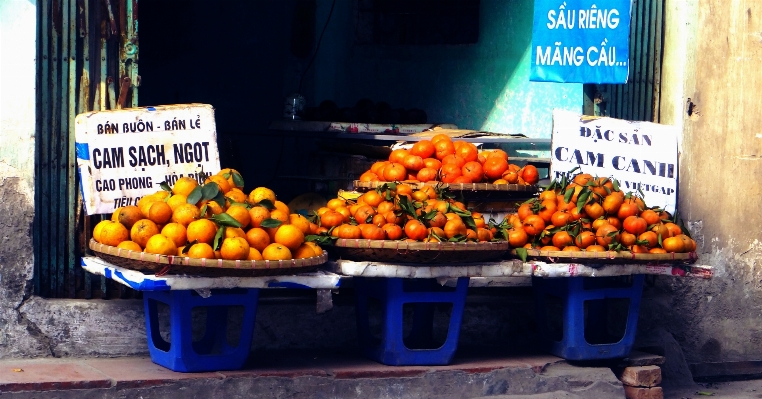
x=301 y=374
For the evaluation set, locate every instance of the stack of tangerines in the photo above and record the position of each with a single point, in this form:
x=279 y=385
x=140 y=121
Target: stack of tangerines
x=214 y=220
x=445 y=160
x=397 y=211
x=592 y=214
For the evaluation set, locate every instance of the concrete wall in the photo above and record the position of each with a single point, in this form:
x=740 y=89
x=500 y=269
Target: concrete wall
x=18 y=337
x=712 y=60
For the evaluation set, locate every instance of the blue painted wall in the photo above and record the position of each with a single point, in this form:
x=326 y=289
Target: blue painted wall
x=479 y=86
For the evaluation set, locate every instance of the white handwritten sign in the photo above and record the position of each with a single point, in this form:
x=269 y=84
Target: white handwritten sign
x=641 y=155
x=123 y=155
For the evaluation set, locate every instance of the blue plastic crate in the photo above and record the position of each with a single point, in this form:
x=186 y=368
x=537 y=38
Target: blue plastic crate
x=573 y=292
x=416 y=349
x=212 y=352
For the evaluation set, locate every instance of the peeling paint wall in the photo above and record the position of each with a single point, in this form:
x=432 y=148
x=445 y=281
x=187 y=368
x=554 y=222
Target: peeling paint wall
x=18 y=337
x=712 y=83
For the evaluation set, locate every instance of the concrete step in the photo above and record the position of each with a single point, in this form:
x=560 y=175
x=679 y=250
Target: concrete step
x=308 y=374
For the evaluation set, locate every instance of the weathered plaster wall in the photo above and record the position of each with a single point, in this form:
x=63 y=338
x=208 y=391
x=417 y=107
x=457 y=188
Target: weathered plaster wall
x=479 y=86
x=18 y=337
x=713 y=50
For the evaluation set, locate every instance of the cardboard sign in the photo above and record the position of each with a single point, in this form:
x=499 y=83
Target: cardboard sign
x=582 y=41
x=642 y=156
x=125 y=154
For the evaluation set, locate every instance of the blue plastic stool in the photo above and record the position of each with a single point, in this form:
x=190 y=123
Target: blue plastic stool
x=212 y=352
x=392 y=348
x=573 y=292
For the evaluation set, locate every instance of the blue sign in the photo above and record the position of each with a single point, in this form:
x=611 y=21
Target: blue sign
x=582 y=41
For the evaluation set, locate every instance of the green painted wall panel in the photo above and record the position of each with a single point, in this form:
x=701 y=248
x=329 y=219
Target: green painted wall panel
x=480 y=86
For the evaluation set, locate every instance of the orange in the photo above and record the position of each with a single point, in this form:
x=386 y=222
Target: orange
x=281 y=206
x=257 y=214
x=159 y=244
x=378 y=166
x=228 y=174
x=175 y=232
x=177 y=200
x=202 y=230
x=159 y=212
x=99 y=228
x=235 y=248
x=473 y=170
x=221 y=182
x=416 y=230
x=277 y=214
x=115 y=215
x=533 y=224
x=212 y=208
x=530 y=174
x=454 y=159
x=398 y=155
x=393 y=231
x=372 y=198
x=128 y=215
x=142 y=231
x=185 y=214
x=673 y=244
x=258 y=238
x=331 y=219
x=304 y=251
x=131 y=245
x=438 y=137
x=426 y=174
x=454 y=227
x=606 y=234
x=423 y=149
x=315 y=247
x=236 y=195
x=261 y=193
x=240 y=214
x=368 y=176
x=254 y=254
x=450 y=172
x=200 y=250
x=468 y=151
x=290 y=236
x=444 y=148
x=413 y=163
x=395 y=172
x=234 y=232
x=184 y=186
x=517 y=237
x=113 y=233
x=300 y=222
x=335 y=203
x=276 y=251
x=494 y=167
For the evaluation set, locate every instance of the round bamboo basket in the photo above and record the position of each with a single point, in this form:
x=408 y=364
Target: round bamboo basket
x=163 y=264
x=418 y=252
x=608 y=257
x=517 y=188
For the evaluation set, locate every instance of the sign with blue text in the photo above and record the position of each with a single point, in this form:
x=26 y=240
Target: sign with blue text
x=581 y=41
x=125 y=154
x=642 y=156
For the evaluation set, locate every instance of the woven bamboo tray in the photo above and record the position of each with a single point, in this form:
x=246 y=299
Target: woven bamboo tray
x=418 y=252
x=162 y=264
x=518 y=188
x=608 y=257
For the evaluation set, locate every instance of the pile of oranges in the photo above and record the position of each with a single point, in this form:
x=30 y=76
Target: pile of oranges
x=592 y=214
x=448 y=161
x=214 y=220
x=397 y=211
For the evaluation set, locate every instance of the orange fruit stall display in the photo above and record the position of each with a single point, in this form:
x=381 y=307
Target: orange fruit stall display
x=216 y=219
x=442 y=159
x=589 y=213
